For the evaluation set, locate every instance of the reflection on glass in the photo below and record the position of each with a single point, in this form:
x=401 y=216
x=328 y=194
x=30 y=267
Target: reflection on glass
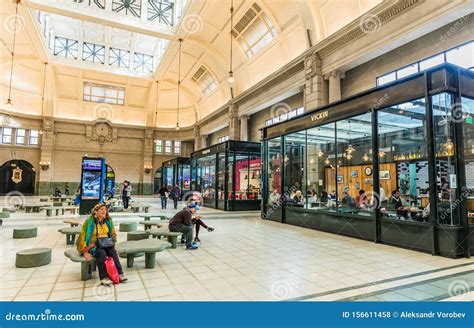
x=294 y=160
x=446 y=187
x=168 y=175
x=241 y=176
x=221 y=176
x=404 y=181
x=321 y=171
x=206 y=167
x=186 y=177
x=468 y=129
x=354 y=168
x=274 y=167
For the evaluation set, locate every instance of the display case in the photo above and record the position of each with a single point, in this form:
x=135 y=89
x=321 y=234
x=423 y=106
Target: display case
x=392 y=165
x=177 y=171
x=228 y=175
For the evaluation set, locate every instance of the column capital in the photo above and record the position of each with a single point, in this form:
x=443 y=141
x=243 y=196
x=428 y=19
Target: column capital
x=335 y=74
x=312 y=65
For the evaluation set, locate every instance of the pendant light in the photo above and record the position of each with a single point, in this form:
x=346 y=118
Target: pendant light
x=365 y=157
x=9 y=103
x=231 y=79
x=179 y=83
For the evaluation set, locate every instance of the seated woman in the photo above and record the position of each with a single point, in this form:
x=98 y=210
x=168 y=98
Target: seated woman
x=361 y=200
x=99 y=225
x=298 y=199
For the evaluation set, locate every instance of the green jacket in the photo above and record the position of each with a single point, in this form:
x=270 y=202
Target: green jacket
x=88 y=235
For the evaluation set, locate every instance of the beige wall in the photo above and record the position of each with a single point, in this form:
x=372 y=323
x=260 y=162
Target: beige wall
x=212 y=138
x=363 y=77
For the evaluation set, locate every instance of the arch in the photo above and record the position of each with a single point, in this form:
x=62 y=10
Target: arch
x=17 y=176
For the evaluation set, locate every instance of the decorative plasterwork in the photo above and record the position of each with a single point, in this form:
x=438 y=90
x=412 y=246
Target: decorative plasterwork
x=312 y=65
x=379 y=19
x=101 y=131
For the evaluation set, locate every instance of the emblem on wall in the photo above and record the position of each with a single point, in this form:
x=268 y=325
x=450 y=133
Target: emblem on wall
x=101 y=131
x=17 y=175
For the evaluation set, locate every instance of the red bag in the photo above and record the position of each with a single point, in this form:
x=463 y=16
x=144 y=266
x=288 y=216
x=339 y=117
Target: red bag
x=112 y=270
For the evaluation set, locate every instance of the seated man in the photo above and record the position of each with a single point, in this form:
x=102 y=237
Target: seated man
x=395 y=203
x=197 y=221
x=183 y=222
x=347 y=200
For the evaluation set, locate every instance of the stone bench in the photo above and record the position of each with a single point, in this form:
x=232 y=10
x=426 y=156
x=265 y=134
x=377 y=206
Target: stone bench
x=118 y=208
x=128 y=226
x=148 y=216
x=35 y=208
x=49 y=210
x=25 y=232
x=137 y=235
x=70 y=233
x=9 y=209
x=43 y=199
x=73 y=209
x=33 y=257
x=157 y=223
x=4 y=215
x=136 y=208
x=73 y=223
x=171 y=236
x=86 y=266
x=148 y=246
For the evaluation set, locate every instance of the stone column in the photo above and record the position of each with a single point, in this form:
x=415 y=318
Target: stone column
x=197 y=138
x=234 y=124
x=244 y=127
x=203 y=141
x=334 y=79
x=47 y=139
x=314 y=86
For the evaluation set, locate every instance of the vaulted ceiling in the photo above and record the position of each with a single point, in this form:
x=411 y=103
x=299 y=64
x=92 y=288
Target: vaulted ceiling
x=133 y=46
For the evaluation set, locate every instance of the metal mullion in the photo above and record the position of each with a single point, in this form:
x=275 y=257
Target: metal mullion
x=282 y=183
x=432 y=176
x=376 y=175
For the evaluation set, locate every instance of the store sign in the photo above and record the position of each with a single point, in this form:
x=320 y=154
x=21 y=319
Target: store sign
x=319 y=116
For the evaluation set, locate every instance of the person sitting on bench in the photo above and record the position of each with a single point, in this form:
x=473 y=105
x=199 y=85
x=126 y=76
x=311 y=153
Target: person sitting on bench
x=197 y=221
x=183 y=222
x=99 y=225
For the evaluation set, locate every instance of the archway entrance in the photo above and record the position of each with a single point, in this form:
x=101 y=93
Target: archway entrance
x=17 y=175
x=157 y=181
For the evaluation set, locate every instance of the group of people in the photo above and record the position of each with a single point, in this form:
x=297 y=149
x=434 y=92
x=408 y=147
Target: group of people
x=169 y=192
x=98 y=237
x=58 y=193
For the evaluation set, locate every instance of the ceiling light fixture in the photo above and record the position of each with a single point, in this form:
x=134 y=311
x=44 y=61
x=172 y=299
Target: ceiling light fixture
x=9 y=103
x=231 y=78
x=365 y=157
x=179 y=83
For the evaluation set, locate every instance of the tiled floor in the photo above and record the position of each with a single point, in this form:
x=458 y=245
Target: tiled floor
x=244 y=259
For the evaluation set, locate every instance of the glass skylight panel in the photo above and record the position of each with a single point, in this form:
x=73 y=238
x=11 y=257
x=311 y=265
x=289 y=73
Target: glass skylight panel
x=462 y=56
x=207 y=83
x=161 y=11
x=387 y=78
x=93 y=53
x=143 y=63
x=119 y=58
x=66 y=48
x=128 y=7
x=104 y=93
x=431 y=62
x=408 y=70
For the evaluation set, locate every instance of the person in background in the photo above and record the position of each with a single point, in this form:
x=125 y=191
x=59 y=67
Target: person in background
x=347 y=200
x=66 y=189
x=57 y=192
x=395 y=202
x=129 y=191
x=183 y=222
x=175 y=193
x=361 y=200
x=124 y=194
x=274 y=197
x=298 y=199
x=99 y=225
x=312 y=198
x=77 y=196
x=332 y=199
x=164 y=196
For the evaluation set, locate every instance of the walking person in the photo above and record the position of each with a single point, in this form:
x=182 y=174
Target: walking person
x=175 y=194
x=97 y=239
x=164 y=196
x=124 y=194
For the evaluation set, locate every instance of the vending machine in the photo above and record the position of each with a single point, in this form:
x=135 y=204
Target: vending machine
x=92 y=183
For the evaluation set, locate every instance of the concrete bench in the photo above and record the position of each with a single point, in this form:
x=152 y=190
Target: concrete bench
x=136 y=207
x=73 y=223
x=170 y=235
x=128 y=226
x=49 y=210
x=149 y=224
x=32 y=207
x=33 y=257
x=148 y=246
x=43 y=199
x=70 y=233
x=118 y=208
x=137 y=235
x=73 y=209
x=9 y=209
x=148 y=216
x=86 y=266
x=25 y=232
x=4 y=215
